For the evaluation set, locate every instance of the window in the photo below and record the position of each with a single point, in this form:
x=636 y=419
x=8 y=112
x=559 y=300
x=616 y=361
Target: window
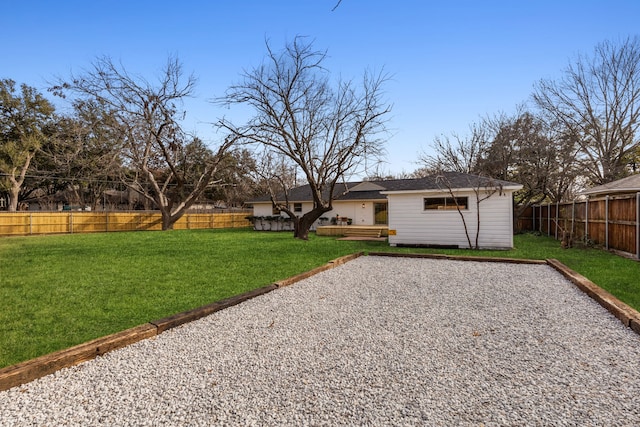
x=445 y=203
x=297 y=207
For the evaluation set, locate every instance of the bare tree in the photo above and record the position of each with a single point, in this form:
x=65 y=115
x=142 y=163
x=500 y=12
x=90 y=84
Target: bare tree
x=162 y=163
x=462 y=154
x=483 y=188
x=522 y=148
x=323 y=132
x=598 y=100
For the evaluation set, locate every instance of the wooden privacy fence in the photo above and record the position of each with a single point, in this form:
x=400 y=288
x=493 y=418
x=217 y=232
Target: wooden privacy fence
x=27 y=223
x=611 y=221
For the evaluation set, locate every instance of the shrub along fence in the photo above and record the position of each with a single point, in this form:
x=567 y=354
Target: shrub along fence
x=66 y=222
x=612 y=222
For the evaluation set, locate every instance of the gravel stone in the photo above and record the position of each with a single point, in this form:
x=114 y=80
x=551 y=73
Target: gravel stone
x=374 y=342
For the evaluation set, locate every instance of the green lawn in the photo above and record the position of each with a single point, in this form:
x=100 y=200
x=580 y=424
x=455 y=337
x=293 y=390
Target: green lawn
x=58 y=291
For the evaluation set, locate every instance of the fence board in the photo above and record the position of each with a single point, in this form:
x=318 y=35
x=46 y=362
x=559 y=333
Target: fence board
x=611 y=222
x=27 y=223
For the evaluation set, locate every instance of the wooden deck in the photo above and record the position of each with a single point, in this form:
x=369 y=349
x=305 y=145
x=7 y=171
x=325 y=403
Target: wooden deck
x=373 y=231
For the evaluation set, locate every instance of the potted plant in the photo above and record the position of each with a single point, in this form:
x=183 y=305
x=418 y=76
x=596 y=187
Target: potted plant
x=266 y=223
x=253 y=220
x=287 y=224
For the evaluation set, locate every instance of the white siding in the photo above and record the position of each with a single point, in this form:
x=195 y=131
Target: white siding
x=413 y=225
x=262 y=209
x=350 y=209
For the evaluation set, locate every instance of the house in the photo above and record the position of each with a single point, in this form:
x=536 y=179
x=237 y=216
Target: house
x=430 y=211
x=419 y=212
x=360 y=202
x=628 y=185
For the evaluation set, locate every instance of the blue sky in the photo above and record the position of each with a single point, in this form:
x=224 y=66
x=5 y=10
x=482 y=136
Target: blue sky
x=452 y=62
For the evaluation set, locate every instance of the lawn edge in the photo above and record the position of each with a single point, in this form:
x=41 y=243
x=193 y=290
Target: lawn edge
x=29 y=370
x=629 y=316
x=461 y=257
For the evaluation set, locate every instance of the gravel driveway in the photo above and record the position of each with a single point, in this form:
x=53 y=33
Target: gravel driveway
x=377 y=341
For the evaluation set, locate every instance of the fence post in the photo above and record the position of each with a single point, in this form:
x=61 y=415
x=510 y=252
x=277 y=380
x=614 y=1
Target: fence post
x=557 y=219
x=638 y=225
x=533 y=218
x=540 y=225
x=573 y=218
x=30 y=223
x=586 y=221
x=70 y=222
x=548 y=219
x=606 y=222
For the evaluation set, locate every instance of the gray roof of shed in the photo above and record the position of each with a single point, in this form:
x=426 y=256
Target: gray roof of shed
x=371 y=190
x=630 y=184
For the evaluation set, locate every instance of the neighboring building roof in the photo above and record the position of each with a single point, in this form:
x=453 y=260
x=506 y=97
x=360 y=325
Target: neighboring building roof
x=376 y=190
x=630 y=184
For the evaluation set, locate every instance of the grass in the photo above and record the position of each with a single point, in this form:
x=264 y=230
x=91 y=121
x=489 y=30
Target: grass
x=59 y=291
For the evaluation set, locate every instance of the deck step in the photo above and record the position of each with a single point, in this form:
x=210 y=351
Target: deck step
x=362 y=232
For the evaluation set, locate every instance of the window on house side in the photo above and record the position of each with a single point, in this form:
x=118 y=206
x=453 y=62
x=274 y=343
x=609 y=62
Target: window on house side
x=297 y=207
x=445 y=203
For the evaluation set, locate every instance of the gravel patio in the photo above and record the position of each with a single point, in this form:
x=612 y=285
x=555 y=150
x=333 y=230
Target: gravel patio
x=376 y=341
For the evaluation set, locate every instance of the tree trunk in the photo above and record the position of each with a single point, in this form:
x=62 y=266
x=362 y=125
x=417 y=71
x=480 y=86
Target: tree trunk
x=13 y=197
x=304 y=223
x=167 y=221
x=302 y=227
x=170 y=218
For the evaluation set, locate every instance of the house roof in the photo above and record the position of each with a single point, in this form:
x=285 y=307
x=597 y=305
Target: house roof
x=377 y=190
x=630 y=184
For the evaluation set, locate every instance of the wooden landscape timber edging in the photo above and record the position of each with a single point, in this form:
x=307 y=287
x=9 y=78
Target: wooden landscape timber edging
x=200 y=312
x=27 y=371
x=327 y=266
x=30 y=370
x=626 y=314
x=461 y=258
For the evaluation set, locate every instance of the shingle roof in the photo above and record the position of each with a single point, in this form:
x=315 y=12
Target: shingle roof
x=368 y=191
x=630 y=184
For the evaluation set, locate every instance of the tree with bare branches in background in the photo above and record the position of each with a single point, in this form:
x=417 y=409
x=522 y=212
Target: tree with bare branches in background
x=324 y=131
x=598 y=101
x=161 y=162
